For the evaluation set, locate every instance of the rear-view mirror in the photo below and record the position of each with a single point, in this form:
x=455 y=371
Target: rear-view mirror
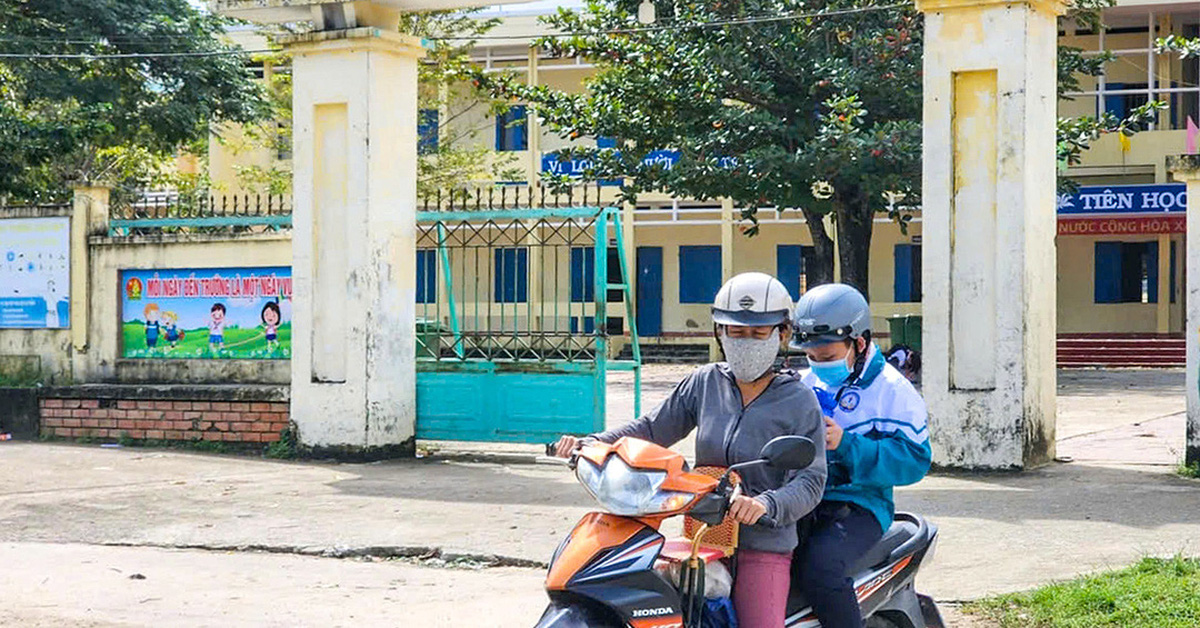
x=789 y=452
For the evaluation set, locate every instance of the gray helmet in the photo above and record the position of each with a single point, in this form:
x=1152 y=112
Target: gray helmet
x=752 y=300
x=829 y=313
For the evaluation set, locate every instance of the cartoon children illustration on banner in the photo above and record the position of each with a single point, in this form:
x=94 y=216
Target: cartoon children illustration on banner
x=171 y=327
x=152 y=327
x=270 y=319
x=216 y=327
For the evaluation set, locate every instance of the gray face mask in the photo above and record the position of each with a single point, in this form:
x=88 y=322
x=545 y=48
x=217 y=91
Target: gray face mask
x=750 y=358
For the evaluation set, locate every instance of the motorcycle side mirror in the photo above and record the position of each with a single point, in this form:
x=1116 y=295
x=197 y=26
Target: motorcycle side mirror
x=789 y=452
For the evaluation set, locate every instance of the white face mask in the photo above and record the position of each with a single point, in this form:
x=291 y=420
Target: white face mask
x=750 y=358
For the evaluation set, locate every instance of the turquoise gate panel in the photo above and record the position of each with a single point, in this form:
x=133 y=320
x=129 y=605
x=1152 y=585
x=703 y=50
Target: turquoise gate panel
x=500 y=403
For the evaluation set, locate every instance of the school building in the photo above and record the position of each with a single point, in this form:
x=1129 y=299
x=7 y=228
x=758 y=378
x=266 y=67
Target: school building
x=1120 y=235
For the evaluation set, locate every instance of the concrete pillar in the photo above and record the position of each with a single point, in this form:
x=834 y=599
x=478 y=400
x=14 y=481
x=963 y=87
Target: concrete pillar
x=989 y=226
x=89 y=216
x=727 y=227
x=534 y=130
x=629 y=239
x=1186 y=168
x=353 y=242
x=1162 y=309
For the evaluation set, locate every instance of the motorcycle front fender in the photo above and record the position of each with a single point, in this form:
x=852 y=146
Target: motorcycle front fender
x=577 y=614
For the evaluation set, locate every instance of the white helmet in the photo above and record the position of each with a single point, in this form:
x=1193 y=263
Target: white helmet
x=752 y=300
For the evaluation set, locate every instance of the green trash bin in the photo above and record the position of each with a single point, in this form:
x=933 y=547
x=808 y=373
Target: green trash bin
x=906 y=330
x=429 y=340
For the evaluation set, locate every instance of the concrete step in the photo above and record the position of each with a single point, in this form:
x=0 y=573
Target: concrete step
x=668 y=354
x=1121 y=350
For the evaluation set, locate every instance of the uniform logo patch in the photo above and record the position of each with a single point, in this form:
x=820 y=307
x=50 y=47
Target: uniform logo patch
x=849 y=401
x=746 y=302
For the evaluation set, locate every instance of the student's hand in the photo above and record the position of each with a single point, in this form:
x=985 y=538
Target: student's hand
x=566 y=445
x=747 y=510
x=833 y=434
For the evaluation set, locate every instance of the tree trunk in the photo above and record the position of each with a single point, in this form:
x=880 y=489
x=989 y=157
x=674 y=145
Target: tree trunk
x=855 y=225
x=821 y=269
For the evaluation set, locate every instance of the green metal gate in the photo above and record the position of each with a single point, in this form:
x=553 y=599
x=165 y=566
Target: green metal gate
x=514 y=325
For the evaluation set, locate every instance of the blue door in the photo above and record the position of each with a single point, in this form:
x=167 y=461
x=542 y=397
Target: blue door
x=649 y=290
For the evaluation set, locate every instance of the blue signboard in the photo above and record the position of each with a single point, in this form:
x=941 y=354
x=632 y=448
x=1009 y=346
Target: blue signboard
x=554 y=164
x=1125 y=199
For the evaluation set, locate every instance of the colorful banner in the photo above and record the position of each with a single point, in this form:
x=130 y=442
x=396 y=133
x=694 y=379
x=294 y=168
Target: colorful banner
x=207 y=313
x=35 y=272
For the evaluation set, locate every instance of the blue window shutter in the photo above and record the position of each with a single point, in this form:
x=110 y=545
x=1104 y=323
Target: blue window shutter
x=902 y=285
x=1115 y=104
x=511 y=283
x=1172 y=279
x=789 y=265
x=520 y=128
x=426 y=276
x=427 y=131
x=501 y=131
x=512 y=129
x=1151 y=258
x=1108 y=272
x=699 y=273
x=583 y=274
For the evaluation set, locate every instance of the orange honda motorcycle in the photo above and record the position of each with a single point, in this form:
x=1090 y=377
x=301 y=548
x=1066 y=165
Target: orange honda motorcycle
x=608 y=572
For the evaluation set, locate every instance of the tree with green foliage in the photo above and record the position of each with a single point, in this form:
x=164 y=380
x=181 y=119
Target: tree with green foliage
x=816 y=109
x=455 y=157
x=106 y=89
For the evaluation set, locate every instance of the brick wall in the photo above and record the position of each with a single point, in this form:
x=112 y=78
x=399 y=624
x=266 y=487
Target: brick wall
x=157 y=419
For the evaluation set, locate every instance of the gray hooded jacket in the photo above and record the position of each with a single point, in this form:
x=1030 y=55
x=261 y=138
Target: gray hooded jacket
x=709 y=401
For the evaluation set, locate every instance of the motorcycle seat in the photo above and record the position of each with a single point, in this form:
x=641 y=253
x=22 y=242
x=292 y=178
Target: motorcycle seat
x=900 y=532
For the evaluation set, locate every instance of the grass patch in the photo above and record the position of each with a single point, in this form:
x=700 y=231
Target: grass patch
x=240 y=343
x=19 y=371
x=1189 y=471
x=1155 y=593
x=286 y=448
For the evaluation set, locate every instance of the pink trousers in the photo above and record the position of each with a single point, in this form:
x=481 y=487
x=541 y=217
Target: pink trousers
x=760 y=591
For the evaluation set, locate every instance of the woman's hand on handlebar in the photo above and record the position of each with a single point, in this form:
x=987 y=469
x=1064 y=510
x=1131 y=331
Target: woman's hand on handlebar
x=565 y=446
x=747 y=510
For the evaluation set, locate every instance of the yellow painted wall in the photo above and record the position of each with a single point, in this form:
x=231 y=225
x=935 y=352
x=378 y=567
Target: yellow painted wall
x=1077 y=310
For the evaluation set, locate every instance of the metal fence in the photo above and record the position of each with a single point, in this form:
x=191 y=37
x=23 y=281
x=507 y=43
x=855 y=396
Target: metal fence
x=513 y=307
x=170 y=212
x=493 y=196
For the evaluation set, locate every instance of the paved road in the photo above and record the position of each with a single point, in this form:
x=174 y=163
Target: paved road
x=60 y=505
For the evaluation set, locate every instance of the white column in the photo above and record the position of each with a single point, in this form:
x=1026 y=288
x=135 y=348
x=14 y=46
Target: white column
x=727 y=227
x=1186 y=168
x=354 y=261
x=89 y=216
x=989 y=226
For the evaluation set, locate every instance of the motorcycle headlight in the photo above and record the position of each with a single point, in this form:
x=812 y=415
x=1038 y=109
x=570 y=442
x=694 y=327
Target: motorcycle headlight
x=623 y=490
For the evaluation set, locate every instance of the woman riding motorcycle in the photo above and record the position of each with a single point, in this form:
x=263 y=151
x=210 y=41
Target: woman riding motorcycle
x=876 y=437
x=735 y=407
